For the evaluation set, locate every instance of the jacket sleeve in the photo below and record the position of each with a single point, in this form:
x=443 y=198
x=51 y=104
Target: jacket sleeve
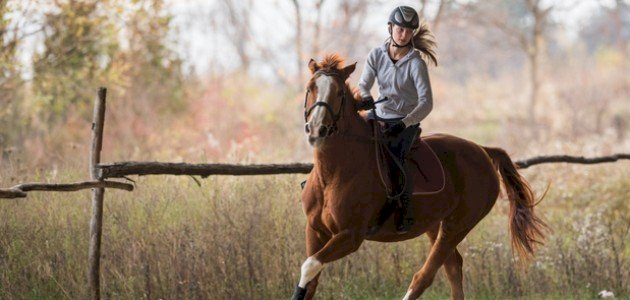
x=369 y=74
x=420 y=76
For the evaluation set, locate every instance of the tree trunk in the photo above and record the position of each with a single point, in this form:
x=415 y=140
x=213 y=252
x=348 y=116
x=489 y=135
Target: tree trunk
x=298 y=42
x=317 y=29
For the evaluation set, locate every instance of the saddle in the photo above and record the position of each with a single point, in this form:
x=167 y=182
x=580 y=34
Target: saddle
x=428 y=175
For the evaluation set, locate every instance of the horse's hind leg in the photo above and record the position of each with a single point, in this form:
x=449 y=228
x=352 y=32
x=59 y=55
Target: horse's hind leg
x=452 y=267
x=442 y=250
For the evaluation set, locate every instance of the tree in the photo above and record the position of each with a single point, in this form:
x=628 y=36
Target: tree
x=608 y=27
x=298 y=40
x=524 y=23
x=79 y=44
x=238 y=28
x=12 y=36
x=152 y=68
x=434 y=21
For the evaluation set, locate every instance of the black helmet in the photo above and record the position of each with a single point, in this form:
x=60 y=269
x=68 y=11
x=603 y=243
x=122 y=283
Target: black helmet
x=405 y=16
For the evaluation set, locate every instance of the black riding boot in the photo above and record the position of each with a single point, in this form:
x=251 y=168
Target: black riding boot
x=403 y=219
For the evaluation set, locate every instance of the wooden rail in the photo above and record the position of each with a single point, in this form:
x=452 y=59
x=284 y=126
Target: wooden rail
x=122 y=169
x=523 y=164
x=19 y=191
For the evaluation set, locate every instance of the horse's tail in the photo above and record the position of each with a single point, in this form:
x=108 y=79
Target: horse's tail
x=526 y=228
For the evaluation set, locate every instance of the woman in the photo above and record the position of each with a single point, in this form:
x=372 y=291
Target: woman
x=404 y=87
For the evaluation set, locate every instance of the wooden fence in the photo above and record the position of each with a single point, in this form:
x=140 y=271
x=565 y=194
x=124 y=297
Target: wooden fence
x=100 y=172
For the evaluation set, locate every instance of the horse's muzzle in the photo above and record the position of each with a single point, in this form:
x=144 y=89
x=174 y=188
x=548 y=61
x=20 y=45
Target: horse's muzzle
x=317 y=134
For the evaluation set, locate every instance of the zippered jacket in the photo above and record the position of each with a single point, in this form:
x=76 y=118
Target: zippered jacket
x=405 y=84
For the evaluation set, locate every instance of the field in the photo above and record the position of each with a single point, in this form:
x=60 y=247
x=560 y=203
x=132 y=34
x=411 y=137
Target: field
x=243 y=237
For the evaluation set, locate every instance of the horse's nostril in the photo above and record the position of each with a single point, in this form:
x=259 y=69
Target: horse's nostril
x=323 y=130
x=307 y=128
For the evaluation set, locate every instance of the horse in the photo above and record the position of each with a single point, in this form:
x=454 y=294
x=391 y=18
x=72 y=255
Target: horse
x=343 y=194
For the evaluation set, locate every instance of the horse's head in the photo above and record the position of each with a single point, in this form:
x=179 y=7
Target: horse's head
x=326 y=94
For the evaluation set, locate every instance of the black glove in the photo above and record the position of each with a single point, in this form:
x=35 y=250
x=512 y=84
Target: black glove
x=366 y=103
x=395 y=129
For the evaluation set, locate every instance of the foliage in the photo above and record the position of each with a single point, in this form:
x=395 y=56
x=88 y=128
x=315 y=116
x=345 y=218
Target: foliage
x=153 y=71
x=11 y=84
x=79 y=44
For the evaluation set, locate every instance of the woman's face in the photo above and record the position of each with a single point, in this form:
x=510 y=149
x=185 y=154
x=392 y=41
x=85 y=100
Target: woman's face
x=401 y=35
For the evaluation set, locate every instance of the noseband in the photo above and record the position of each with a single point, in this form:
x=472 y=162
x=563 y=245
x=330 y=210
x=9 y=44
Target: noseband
x=335 y=116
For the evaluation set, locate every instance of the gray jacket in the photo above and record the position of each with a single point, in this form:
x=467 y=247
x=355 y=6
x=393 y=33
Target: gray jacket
x=405 y=84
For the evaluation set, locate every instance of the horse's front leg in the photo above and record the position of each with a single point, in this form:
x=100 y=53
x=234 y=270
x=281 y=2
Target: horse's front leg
x=340 y=245
x=309 y=272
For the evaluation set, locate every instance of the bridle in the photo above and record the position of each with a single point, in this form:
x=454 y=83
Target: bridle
x=335 y=116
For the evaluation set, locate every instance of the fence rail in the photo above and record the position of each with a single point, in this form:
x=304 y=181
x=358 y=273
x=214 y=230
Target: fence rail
x=122 y=169
x=19 y=191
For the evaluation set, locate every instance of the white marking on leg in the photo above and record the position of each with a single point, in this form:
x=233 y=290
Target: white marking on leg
x=407 y=295
x=310 y=268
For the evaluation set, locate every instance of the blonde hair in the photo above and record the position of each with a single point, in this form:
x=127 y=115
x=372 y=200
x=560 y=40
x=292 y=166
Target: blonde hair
x=424 y=41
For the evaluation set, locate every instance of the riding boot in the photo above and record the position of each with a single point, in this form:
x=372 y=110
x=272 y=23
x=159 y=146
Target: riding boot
x=404 y=220
x=384 y=214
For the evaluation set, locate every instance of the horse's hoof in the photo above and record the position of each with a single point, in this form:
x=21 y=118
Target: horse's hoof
x=299 y=293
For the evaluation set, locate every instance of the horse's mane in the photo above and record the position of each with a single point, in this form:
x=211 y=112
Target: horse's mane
x=333 y=62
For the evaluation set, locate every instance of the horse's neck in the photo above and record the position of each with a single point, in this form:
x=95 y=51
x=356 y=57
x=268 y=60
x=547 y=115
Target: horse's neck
x=351 y=148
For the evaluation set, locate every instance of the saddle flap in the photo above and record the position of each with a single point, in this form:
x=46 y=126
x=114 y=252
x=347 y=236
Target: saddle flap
x=428 y=177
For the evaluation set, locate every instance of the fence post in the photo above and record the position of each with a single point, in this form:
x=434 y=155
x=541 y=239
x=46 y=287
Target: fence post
x=96 y=223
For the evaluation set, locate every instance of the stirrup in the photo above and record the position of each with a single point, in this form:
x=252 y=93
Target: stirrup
x=303 y=183
x=404 y=225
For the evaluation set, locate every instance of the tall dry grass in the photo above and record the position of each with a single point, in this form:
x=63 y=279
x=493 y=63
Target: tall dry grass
x=243 y=238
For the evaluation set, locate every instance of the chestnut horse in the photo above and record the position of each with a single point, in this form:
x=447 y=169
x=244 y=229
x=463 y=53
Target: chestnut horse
x=344 y=194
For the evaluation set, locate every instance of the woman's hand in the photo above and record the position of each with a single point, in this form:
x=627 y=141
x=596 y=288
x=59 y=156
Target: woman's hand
x=366 y=103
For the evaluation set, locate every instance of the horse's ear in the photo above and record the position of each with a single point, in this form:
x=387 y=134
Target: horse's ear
x=313 y=66
x=346 y=71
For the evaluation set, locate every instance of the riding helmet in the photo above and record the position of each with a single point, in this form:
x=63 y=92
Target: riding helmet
x=404 y=16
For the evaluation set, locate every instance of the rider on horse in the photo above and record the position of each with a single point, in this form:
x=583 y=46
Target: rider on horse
x=405 y=90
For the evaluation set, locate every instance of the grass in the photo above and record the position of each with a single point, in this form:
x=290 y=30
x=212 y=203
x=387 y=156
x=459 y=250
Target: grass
x=243 y=237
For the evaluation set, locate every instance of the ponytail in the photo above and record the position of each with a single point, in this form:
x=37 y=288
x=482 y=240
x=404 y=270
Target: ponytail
x=424 y=41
